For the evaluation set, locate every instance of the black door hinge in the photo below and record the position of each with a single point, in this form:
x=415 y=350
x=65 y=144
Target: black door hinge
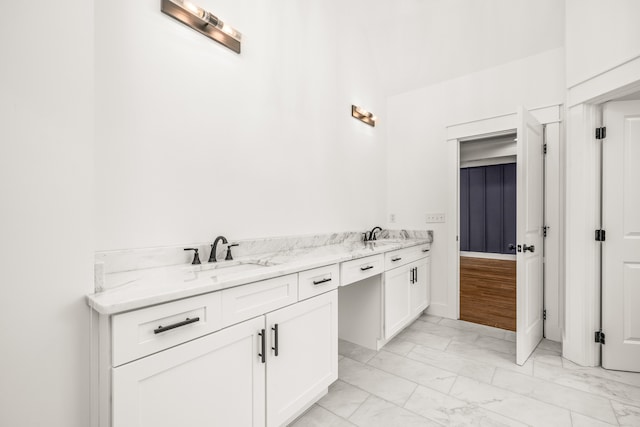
x=544 y=148
x=599 y=337
x=600 y=235
x=544 y=314
x=601 y=133
x=544 y=231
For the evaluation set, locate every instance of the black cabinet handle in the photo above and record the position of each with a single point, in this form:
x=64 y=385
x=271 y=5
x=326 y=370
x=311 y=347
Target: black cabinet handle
x=188 y=321
x=526 y=248
x=368 y=267
x=275 y=339
x=411 y=276
x=262 y=354
x=319 y=282
x=396 y=259
x=415 y=275
x=425 y=250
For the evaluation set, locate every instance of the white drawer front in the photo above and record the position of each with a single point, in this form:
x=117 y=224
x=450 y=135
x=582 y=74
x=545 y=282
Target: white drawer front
x=405 y=256
x=317 y=281
x=142 y=332
x=247 y=301
x=358 y=269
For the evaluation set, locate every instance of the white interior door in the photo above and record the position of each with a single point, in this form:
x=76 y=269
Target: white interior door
x=621 y=249
x=529 y=232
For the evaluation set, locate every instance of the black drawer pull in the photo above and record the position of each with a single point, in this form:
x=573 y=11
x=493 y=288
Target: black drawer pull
x=411 y=277
x=425 y=250
x=396 y=259
x=263 y=354
x=188 y=321
x=275 y=339
x=415 y=275
x=368 y=267
x=319 y=282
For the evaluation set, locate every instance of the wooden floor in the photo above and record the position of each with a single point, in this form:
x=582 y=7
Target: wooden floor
x=488 y=292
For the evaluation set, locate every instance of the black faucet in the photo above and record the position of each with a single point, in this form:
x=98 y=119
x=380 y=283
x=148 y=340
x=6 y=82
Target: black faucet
x=371 y=235
x=214 y=247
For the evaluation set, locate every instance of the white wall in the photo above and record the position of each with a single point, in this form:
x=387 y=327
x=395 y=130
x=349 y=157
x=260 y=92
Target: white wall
x=194 y=141
x=46 y=251
x=418 y=154
x=599 y=36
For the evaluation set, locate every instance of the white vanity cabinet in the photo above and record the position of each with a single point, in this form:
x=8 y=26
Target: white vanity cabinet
x=302 y=356
x=215 y=380
x=406 y=287
x=182 y=364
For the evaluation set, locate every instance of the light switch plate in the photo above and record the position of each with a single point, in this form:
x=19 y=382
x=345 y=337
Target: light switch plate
x=435 y=217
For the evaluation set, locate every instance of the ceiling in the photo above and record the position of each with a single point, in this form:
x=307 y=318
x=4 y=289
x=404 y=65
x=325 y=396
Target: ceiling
x=417 y=43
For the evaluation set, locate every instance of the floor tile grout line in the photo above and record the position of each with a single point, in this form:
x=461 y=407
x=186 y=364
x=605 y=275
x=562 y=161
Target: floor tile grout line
x=553 y=404
x=615 y=414
x=585 y=391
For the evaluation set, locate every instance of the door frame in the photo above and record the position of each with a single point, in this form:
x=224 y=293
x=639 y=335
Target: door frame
x=484 y=128
x=582 y=213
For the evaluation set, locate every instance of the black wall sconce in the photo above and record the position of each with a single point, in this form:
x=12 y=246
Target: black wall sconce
x=363 y=115
x=204 y=22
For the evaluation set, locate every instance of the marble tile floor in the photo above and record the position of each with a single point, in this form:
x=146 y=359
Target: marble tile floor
x=442 y=372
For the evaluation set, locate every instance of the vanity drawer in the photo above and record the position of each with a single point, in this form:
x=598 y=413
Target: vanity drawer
x=404 y=256
x=142 y=332
x=358 y=269
x=318 y=281
x=247 y=301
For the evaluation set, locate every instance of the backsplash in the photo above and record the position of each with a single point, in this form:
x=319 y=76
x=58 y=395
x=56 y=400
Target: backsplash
x=136 y=259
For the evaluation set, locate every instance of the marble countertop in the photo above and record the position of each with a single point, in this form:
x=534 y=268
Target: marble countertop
x=135 y=289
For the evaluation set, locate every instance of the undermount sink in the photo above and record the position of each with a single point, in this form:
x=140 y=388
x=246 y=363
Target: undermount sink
x=385 y=242
x=215 y=270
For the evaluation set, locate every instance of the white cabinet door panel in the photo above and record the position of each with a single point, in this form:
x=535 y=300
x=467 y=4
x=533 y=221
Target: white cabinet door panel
x=397 y=299
x=420 y=289
x=215 y=380
x=307 y=355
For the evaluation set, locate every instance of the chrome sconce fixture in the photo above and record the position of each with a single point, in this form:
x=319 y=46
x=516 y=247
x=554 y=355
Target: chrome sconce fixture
x=204 y=22
x=363 y=115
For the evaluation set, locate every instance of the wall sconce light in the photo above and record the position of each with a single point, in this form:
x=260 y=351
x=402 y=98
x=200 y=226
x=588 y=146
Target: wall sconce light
x=363 y=115
x=204 y=22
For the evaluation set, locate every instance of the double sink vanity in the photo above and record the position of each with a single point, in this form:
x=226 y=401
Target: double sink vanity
x=247 y=342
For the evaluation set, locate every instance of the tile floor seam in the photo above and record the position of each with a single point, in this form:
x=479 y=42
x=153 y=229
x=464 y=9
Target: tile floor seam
x=520 y=395
x=391 y=403
x=407 y=379
x=615 y=414
x=418 y=414
x=605 y=396
x=340 y=416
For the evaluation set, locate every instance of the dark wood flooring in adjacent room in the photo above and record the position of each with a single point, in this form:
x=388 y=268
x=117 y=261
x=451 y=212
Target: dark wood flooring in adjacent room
x=488 y=292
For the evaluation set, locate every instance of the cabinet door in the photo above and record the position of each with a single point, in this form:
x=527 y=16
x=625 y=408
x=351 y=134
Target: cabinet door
x=216 y=380
x=307 y=355
x=420 y=289
x=397 y=299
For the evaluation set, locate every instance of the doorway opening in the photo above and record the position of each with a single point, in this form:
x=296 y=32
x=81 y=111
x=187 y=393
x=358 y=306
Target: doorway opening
x=488 y=231
x=531 y=130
